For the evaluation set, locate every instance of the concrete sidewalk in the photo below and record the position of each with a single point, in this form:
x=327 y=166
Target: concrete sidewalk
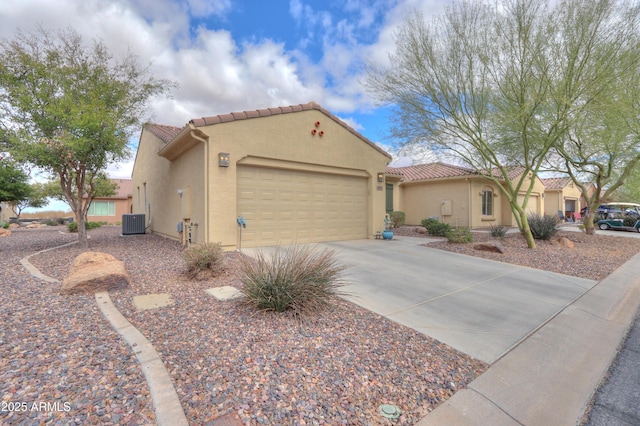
x=550 y=377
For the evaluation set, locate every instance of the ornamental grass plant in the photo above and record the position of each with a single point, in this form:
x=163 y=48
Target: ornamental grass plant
x=203 y=258
x=298 y=279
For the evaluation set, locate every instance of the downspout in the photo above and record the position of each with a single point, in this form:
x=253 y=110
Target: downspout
x=202 y=137
x=469 y=215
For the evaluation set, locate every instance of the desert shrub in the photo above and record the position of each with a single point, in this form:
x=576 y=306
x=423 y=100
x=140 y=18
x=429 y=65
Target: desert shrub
x=460 y=235
x=397 y=219
x=440 y=230
x=498 y=231
x=73 y=226
x=60 y=220
x=543 y=227
x=428 y=221
x=51 y=222
x=4 y=225
x=298 y=279
x=203 y=257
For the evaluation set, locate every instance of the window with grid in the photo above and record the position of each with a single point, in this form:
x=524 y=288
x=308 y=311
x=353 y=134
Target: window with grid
x=487 y=202
x=102 y=208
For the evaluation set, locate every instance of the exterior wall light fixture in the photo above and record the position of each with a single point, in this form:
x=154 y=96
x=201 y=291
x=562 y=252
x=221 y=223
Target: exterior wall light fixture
x=380 y=177
x=224 y=159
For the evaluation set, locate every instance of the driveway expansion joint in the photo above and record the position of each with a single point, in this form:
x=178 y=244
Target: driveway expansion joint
x=165 y=399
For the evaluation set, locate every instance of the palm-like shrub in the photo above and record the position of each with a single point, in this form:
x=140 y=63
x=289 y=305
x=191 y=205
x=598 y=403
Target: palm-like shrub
x=498 y=231
x=543 y=227
x=300 y=279
x=203 y=257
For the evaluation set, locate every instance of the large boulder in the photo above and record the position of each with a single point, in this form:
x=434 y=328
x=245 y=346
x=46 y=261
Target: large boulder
x=93 y=271
x=421 y=230
x=565 y=242
x=491 y=246
x=4 y=232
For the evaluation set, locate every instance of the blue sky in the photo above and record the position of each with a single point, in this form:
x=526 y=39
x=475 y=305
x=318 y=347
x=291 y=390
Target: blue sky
x=232 y=55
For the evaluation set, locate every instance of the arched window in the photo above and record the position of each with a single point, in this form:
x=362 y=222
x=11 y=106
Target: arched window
x=487 y=202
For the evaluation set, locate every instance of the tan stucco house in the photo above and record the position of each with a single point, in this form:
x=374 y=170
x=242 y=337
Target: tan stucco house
x=295 y=174
x=561 y=197
x=110 y=209
x=455 y=195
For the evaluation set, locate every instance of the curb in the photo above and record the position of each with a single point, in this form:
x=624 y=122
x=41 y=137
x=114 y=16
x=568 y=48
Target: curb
x=551 y=376
x=165 y=399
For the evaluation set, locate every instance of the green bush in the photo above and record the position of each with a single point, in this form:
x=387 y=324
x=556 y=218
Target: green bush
x=397 y=219
x=297 y=279
x=51 y=222
x=460 y=235
x=543 y=227
x=4 y=225
x=73 y=226
x=428 y=222
x=498 y=231
x=436 y=228
x=204 y=257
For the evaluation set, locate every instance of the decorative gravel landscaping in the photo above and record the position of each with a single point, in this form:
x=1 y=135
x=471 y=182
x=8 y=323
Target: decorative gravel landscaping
x=62 y=363
x=334 y=368
x=594 y=256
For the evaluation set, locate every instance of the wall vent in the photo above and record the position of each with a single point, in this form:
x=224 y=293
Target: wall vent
x=132 y=224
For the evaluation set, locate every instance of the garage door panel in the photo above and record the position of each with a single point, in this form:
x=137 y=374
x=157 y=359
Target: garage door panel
x=284 y=206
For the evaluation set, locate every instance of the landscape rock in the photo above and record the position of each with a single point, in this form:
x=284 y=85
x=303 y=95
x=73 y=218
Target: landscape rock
x=4 y=232
x=492 y=246
x=421 y=230
x=14 y=226
x=94 y=271
x=565 y=242
x=33 y=226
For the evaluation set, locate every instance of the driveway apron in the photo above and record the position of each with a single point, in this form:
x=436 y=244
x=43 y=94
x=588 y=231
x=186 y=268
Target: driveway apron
x=480 y=307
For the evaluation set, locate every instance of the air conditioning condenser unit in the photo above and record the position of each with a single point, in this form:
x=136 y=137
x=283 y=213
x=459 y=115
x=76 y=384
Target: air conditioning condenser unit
x=133 y=224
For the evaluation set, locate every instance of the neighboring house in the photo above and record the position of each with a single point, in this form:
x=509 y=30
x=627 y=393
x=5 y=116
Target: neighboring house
x=110 y=209
x=295 y=174
x=561 y=197
x=455 y=195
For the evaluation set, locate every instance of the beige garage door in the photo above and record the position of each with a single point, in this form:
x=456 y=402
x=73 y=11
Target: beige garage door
x=532 y=204
x=285 y=207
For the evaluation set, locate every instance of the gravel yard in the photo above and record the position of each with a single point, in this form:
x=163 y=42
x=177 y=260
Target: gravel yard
x=336 y=368
x=223 y=356
x=594 y=256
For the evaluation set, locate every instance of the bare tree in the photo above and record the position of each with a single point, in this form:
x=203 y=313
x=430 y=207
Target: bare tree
x=499 y=85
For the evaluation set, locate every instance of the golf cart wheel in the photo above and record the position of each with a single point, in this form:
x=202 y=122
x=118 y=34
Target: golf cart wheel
x=604 y=226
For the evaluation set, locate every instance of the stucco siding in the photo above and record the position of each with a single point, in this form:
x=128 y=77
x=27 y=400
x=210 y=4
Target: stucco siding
x=425 y=199
x=286 y=142
x=156 y=182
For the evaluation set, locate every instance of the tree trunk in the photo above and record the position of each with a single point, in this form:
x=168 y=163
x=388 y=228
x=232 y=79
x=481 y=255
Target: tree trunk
x=82 y=229
x=587 y=222
x=526 y=230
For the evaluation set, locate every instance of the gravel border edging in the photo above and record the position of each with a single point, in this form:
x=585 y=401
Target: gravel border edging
x=163 y=394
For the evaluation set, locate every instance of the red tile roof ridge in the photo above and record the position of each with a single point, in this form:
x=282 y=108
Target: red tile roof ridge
x=164 y=132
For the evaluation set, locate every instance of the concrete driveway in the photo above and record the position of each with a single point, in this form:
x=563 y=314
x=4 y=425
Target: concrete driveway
x=480 y=307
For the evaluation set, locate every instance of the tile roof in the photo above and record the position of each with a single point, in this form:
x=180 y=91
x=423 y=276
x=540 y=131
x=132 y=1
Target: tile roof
x=441 y=170
x=556 y=183
x=430 y=171
x=124 y=189
x=166 y=133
